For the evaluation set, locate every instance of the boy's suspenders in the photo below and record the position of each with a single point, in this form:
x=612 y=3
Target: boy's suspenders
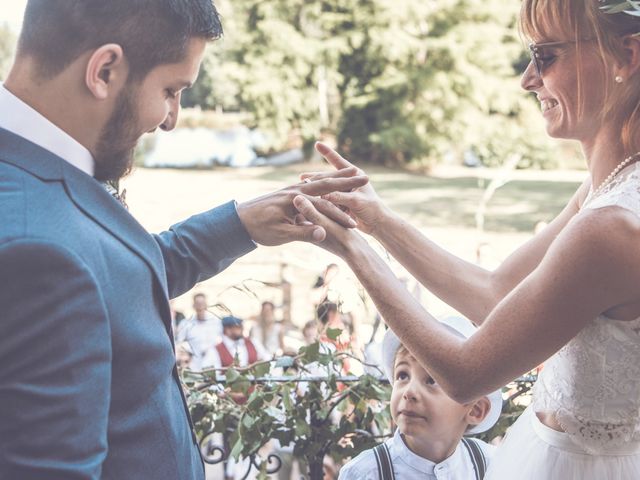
x=477 y=457
x=383 y=459
x=385 y=467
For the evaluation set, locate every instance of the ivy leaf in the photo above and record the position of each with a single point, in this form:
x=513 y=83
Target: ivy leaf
x=312 y=352
x=231 y=375
x=286 y=399
x=302 y=429
x=261 y=370
x=334 y=333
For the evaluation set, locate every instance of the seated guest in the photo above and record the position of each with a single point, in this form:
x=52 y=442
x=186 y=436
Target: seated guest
x=234 y=348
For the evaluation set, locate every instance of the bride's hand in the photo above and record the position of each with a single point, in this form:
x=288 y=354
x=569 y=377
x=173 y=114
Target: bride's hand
x=337 y=239
x=363 y=203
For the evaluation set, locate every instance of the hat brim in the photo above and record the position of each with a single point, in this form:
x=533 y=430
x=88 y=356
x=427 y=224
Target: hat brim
x=391 y=343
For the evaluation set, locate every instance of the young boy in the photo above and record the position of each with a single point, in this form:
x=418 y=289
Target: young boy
x=428 y=443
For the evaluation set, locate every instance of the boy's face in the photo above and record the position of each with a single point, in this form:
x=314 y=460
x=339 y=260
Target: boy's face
x=420 y=407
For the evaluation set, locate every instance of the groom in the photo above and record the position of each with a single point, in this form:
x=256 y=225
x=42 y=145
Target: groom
x=88 y=383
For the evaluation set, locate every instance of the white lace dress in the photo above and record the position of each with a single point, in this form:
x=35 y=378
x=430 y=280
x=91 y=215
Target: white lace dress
x=592 y=387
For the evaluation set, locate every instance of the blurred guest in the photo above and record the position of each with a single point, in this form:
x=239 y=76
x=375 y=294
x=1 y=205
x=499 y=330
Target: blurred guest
x=268 y=331
x=200 y=331
x=310 y=332
x=234 y=349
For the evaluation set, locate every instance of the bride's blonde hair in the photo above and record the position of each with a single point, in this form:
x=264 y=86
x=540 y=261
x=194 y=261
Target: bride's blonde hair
x=581 y=20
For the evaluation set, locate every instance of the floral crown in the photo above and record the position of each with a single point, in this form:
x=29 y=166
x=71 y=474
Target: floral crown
x=632 y=7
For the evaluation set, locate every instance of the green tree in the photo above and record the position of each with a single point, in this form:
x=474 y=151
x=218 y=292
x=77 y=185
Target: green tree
x=402 y=81
x=429 y=79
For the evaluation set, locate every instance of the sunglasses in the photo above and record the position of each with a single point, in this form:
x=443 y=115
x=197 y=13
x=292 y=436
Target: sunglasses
x=544 y=54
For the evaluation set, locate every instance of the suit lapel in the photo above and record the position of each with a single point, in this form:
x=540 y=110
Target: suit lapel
x=88 y=195
x=92 y=198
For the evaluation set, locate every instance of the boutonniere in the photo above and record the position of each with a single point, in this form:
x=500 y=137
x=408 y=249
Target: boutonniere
x=112 y=188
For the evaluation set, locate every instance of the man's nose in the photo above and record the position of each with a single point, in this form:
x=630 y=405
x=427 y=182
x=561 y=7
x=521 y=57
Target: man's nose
x=171 y=119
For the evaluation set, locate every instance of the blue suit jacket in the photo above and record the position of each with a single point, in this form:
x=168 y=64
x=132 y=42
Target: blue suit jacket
x=88 y=383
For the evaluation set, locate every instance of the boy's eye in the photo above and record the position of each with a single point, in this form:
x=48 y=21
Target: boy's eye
x=431 y=381
x=401 y=375
x=170 y=93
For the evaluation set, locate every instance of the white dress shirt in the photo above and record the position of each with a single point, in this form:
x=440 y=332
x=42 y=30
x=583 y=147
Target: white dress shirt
x=409 y=466
x=20 y=119
x=201 y=335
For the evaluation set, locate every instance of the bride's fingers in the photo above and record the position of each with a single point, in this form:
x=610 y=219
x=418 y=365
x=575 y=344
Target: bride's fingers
x=333 y=157
x=305 y=207
x=341 y=199
x=332 y=212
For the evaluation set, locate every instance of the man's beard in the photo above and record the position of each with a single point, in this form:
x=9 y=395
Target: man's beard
x=114 y=153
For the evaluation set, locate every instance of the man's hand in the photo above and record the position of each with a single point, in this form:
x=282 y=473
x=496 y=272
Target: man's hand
x=273 y=220
x=362 y=203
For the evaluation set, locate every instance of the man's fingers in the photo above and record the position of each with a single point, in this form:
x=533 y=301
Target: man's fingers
x=333 y=157
x=328 y=185
x=345 y=172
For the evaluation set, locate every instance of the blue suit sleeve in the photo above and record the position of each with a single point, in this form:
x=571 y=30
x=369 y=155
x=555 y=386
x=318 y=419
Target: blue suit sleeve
x=55 y=365
x=202 y=246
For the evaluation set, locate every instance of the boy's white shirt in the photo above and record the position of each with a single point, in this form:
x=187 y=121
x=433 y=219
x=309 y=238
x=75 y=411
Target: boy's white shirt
x=409 y=466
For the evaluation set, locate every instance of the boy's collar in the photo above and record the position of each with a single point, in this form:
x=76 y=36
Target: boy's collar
x=399 y=449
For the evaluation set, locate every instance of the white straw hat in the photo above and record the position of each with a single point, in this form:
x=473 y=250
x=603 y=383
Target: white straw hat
x=463 y=328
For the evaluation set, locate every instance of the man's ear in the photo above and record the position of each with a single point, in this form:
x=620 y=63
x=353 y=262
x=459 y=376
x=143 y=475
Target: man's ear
x=106 y=71
x=478 y=411
x=631 y=46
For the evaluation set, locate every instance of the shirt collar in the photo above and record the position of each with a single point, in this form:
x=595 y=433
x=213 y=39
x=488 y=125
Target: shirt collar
x=20 y=119
x=232 y=344
x=399 y=449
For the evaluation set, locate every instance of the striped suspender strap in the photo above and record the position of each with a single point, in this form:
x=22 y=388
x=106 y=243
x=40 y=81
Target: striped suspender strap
x=477 y=457
x=383 y=459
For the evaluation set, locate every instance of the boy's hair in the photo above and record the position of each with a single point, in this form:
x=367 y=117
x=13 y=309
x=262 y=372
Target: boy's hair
x=401 y=349
x=151 y=32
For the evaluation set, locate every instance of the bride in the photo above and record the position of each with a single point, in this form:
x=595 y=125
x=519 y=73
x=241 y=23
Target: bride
x=570 y=295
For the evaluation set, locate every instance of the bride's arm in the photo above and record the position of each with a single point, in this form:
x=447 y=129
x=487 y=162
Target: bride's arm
x=470 y=289
x=587 y=270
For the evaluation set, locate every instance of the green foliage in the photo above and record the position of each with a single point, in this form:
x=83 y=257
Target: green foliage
x=398 y=82
x=302 y=413
x=632 y=7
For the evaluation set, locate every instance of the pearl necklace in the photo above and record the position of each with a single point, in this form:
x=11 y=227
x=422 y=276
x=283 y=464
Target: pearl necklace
x=613 y=174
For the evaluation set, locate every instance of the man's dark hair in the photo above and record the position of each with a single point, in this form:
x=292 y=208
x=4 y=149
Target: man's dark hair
x=151 y=32
x=324 y=310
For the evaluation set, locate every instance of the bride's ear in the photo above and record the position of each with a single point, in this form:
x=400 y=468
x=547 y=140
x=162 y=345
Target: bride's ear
x=631 y=65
